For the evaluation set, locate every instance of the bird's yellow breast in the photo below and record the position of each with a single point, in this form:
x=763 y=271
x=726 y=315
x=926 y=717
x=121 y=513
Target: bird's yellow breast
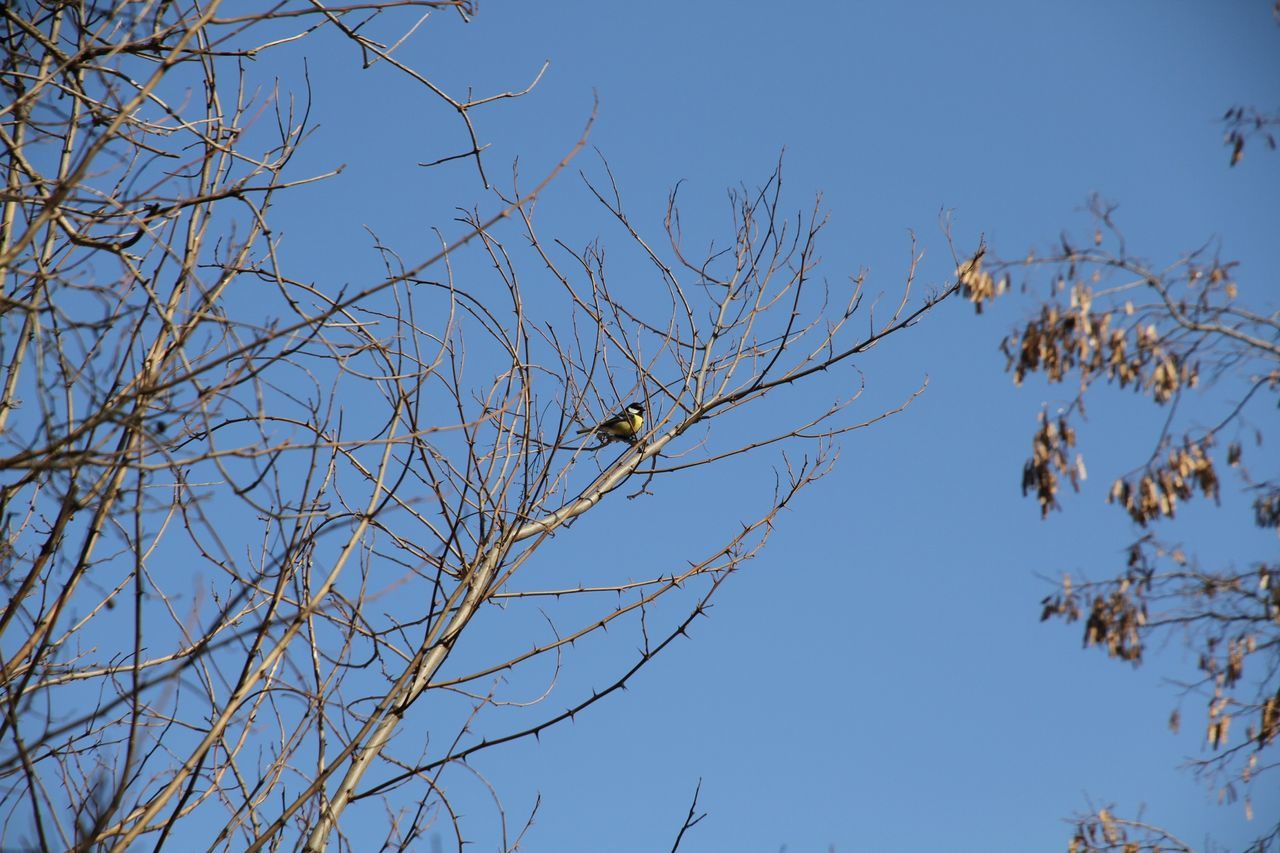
x=625 y=426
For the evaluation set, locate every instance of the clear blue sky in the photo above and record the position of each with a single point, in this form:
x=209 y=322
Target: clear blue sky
x=878 y=679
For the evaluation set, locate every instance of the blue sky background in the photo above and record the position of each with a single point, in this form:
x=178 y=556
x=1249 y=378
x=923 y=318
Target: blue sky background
x=878 y=678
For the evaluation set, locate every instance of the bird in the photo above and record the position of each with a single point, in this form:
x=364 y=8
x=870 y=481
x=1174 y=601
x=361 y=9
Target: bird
x=625 y=425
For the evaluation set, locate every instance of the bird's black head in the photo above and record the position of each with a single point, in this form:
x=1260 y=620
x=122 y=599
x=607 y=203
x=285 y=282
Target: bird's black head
x=636 y=408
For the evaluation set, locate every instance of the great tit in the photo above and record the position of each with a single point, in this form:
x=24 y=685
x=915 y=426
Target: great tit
x=624 y=425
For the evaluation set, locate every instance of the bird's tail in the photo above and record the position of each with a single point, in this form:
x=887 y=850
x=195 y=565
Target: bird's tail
x=585 y=431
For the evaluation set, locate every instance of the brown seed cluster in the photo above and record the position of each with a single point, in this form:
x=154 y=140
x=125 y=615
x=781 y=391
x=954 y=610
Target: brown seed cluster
x=1155 y=494
x=1117 y=611
x=1095 y=343
x=1244 y=122
x=1050 y=449
x=1269 y=720
x=978 y=285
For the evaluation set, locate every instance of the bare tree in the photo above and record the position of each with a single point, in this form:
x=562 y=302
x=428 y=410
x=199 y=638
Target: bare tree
x=249 y=517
